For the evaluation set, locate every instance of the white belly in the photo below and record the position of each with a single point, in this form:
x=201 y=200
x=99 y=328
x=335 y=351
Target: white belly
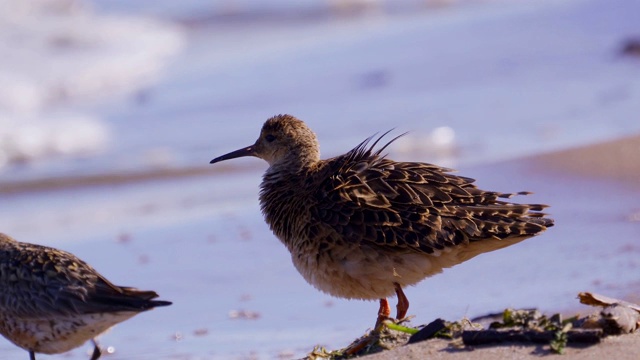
x=58 y=334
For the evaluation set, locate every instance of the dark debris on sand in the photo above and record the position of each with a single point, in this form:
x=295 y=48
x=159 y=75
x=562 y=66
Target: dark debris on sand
x=526 y=326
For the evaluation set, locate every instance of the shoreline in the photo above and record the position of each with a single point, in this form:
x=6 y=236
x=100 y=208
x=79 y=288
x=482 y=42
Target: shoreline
x=617 y=159
x=591 y=160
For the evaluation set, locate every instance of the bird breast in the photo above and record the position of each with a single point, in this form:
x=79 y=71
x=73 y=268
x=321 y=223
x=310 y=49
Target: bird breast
x=285 y=205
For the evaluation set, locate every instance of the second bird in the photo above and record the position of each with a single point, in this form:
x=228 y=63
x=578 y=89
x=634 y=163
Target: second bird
x=52 y=302
x=360 y=226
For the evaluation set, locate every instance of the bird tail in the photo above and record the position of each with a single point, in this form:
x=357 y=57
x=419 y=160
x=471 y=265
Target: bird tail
x=124 y=298
x=143 y=298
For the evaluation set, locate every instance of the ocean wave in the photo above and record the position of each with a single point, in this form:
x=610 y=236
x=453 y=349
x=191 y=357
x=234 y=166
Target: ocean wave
x=56 y=54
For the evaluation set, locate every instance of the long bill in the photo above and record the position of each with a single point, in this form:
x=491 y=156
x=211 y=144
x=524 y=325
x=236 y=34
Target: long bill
x=248 y=151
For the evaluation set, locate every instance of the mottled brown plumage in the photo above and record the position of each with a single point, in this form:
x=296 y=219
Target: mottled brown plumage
x=361 y=226
x=52 y=302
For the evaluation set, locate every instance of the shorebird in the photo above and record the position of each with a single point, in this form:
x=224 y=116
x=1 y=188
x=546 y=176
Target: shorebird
x=361 y=226
x=52 y=302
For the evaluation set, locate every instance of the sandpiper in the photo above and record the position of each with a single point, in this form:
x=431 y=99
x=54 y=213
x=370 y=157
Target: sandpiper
x=52 y=302
x=361 y=226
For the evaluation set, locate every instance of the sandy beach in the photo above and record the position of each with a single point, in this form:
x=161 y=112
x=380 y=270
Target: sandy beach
x=621 y=347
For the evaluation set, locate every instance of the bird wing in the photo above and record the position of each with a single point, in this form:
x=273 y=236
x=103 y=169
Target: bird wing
x=38 y=281
x=416 y=206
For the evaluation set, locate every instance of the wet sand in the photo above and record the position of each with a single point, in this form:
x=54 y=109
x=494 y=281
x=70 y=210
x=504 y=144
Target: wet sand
x=617 y=160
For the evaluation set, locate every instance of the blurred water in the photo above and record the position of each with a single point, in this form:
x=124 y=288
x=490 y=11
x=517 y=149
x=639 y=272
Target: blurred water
x=59 y=56
x=529 y=77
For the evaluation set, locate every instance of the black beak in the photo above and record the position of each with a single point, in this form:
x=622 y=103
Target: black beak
x=248 y=151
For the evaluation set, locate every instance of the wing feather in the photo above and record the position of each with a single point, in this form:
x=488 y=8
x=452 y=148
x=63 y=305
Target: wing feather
x=418 y=206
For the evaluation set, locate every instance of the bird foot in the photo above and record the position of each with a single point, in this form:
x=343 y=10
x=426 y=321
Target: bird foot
x=403 y=320
x=380 y=322
x=372 y=338
x=385 y=322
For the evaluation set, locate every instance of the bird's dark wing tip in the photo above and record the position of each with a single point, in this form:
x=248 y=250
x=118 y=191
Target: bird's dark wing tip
x=156 y=303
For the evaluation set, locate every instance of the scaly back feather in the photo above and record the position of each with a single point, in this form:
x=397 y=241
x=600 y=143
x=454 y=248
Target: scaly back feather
x=413 y=206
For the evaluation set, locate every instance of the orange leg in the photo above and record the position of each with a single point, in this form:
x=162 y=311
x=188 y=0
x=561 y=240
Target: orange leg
x=403 y=303
x=384 y=312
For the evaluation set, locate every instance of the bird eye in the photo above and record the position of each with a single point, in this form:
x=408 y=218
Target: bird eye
x=269 y=138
